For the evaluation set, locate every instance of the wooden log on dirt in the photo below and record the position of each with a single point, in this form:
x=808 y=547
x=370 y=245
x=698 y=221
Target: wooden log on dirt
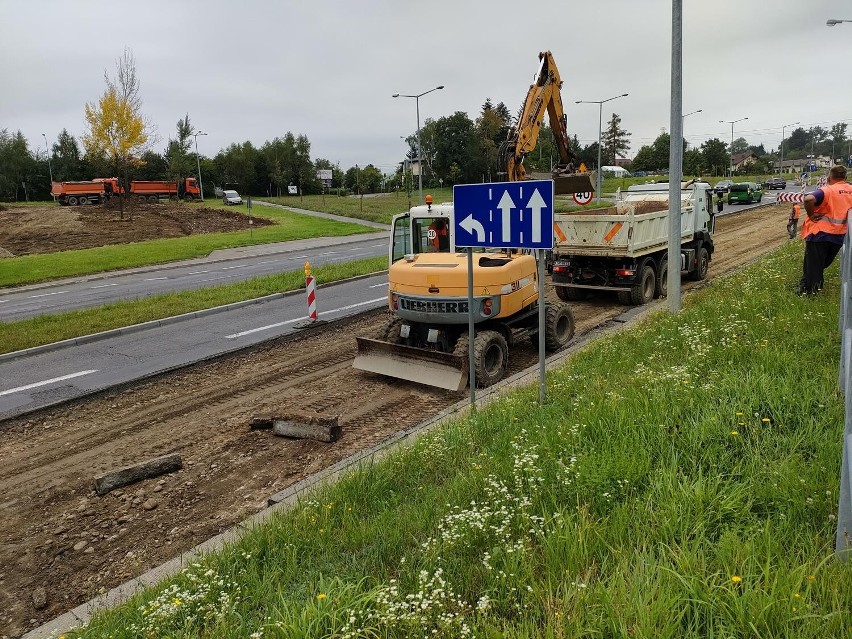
x=131 y=474
x=260 y=423
x=323 y=429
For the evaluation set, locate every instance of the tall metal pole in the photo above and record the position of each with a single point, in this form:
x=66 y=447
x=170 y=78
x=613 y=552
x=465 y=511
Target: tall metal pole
x=49 y=167
x=731 y=150
x=600 y=104
x=781 y=164
x=419 y=146
x=675 y=158
x=198 y=163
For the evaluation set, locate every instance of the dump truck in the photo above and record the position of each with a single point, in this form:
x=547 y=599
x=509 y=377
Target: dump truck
x=624 y=248
x=156 y=190
x=426 y=339
x=84 y=192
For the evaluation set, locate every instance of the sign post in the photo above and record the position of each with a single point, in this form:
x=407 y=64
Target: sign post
x=251 y=222
x=510 y=215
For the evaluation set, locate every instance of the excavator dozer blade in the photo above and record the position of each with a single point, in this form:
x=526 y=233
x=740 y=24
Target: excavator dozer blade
x=574 y=183
x=420 y=365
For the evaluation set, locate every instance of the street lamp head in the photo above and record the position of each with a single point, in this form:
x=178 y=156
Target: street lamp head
x=395 y=95
x=441 y=87
x=831 y=23
x=624 y=95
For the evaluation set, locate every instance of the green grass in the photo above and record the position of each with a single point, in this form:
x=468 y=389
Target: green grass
x=46 y=329
x=681 y=481
x=290 y=226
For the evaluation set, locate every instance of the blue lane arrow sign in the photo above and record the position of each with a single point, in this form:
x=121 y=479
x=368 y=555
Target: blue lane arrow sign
x=504 y=214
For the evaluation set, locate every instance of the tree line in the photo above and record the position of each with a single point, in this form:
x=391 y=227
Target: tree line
x=118 y=140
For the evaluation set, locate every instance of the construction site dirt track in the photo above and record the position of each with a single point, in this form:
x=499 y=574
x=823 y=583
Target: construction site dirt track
x=61 y=544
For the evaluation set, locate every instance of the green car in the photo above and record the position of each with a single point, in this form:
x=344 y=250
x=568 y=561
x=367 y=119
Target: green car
x=745 y=193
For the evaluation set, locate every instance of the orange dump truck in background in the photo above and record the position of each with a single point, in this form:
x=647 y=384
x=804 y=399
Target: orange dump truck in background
x=91 y=191
x=154 y=190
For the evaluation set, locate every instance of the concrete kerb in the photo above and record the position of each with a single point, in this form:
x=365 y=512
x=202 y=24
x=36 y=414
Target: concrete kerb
x=290 y=496
x=135 y=328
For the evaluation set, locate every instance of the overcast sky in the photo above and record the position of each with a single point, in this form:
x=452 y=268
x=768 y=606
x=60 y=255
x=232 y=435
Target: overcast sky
x=253 y=70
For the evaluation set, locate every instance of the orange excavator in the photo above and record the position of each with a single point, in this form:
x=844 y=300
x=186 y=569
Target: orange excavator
x=544 y=95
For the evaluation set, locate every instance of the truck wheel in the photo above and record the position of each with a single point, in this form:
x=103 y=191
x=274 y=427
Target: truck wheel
x=153 y=198
x=188 y=197
x=390 y=332
x=490 y=357
x=558 y=326
x=140 y=198
x=643 y=292
x=702 y=263
x=662 y=282
x=72 y=200
x=568 y=294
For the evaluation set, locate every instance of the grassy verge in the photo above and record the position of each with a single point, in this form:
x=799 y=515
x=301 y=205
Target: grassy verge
x=47 y=329
x=291 y=226
x=681 y=481
x=382 y=208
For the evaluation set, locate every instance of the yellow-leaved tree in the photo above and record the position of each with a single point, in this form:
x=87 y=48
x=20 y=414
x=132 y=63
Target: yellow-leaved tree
x=115 y=127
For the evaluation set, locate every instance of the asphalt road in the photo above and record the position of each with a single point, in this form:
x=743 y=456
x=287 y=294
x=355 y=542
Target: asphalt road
x=223 y=267
x=38 y=380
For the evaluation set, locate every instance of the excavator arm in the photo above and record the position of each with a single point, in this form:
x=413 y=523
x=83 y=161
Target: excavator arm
x=544 y=95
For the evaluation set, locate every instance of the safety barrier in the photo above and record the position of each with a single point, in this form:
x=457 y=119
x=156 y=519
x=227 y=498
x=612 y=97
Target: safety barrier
x=310 y=288
x=843 y=541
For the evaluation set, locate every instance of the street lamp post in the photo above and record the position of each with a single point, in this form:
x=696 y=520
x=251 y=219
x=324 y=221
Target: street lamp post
x=600 y=104
x=683 y=118
x=198 y=163
x=732 y=123
x=419 y=147
x=781 y=164
x=49 y=167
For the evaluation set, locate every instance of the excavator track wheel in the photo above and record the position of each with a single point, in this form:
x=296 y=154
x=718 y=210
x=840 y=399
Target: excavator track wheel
x=490 y=357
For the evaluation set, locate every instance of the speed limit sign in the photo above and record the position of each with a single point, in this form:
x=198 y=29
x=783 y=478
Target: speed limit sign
x=431 y=234
x=583 y=198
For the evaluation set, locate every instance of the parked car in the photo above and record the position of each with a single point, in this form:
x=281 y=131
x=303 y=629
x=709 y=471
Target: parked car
x=775 y=183
x=231 y=197
x=722 y=186
x=745 y=193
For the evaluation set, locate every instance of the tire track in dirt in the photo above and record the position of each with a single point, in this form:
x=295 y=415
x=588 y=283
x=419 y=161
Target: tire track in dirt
x=48 y=460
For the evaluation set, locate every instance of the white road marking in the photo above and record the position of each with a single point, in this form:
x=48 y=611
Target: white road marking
x=3 y=301
x=378 y=285
x=46 y=382
x=198 y=272
x=154 y=279
x=298 y=319
x=228 y=268
x=103 y=286
x=329 y=253
x=32 y=297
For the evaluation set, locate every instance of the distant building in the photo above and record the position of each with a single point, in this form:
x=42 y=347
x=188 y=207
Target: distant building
x=741 y=160
x=615 y=171
x=803 y=165
x=622 y=161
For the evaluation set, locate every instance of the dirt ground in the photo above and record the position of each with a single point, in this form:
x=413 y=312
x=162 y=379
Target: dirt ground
x=26 y=230
x=61 y=544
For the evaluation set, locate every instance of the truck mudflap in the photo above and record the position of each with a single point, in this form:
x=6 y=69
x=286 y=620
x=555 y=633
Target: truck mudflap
x=433 y=368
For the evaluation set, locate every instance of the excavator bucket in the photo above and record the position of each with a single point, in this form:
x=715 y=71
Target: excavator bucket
x=433 y=368
x=573 y=183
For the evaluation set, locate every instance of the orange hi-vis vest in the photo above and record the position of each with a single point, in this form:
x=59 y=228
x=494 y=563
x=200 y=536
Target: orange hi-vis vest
x=836 y=204
x=797 y=211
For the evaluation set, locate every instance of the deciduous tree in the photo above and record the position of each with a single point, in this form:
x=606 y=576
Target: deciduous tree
x=115 y=127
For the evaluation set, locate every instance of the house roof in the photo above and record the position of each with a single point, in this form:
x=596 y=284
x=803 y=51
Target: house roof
x=741 y=157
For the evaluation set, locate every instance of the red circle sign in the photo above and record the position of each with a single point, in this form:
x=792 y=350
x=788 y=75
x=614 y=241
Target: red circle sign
x=583 y=198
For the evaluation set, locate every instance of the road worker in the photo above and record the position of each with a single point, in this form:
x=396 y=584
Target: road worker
x=439 y=235
x=793 y=221
x=825 y=228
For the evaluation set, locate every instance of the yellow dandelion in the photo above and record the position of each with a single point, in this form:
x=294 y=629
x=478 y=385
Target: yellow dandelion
x=742 y=423
x=765 y=420
x=322 y=595
x=734 y=433
x=811 y=577
x=797 y=595
x=176 y=601
x=736 y=579
x=739 y=414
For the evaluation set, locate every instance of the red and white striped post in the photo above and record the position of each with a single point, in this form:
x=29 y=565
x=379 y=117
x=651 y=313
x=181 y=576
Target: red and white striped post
x=791 y=197
x=310 y=288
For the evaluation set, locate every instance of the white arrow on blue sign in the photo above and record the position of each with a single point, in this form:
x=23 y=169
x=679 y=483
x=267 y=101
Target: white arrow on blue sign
x=504 y=214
